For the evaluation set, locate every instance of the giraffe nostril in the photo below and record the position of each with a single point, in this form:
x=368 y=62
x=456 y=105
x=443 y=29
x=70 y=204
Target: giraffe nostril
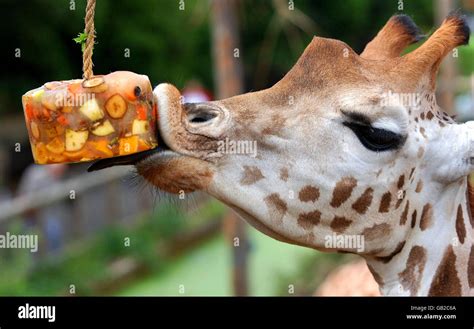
x=200 y=113
x=201 y=117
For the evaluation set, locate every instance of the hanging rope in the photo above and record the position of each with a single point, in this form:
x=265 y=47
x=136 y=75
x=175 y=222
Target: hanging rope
x=90 y=31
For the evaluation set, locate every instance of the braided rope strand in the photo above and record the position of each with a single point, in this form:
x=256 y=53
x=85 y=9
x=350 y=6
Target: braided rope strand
x=90 y=31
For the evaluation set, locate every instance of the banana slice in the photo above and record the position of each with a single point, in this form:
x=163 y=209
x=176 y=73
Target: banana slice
x=116 y=106
x=95 y=85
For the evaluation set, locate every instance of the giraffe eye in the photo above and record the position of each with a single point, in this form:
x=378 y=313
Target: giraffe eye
x=375 y=139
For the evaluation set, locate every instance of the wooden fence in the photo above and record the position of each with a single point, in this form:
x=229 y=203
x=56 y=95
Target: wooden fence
x=74 y=209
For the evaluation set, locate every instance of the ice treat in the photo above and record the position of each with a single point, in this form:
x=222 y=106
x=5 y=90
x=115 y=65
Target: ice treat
x=83 y=120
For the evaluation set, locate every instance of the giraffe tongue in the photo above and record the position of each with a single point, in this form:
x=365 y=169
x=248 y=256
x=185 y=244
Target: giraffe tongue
x=123 y=160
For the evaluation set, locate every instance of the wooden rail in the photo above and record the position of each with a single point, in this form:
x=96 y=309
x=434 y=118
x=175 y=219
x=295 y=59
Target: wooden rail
x=58 y=192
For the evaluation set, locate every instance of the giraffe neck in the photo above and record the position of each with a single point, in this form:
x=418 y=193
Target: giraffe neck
x=437 y=257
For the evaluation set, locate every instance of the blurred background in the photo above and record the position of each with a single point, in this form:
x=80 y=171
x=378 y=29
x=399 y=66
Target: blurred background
x=108 y=233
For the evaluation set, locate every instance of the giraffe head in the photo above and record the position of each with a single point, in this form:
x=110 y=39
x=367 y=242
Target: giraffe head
x=343 y=143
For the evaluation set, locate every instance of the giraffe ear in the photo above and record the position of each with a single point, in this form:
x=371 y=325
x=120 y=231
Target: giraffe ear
x=399 y=32
x=453 y=32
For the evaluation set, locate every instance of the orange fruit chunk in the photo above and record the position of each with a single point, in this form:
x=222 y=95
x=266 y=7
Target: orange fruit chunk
x=143 y=145
x=56 y=146
x=128 y=145
x=76 y=155
x=56 y=158
x=40 y=153
x=74 y=88
x=100 y=148
x=34 y=130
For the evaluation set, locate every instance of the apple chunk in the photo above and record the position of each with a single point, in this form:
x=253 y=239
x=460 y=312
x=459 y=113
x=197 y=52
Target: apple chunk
x=140 y=127
x=104 y=129
x=75 y=140
x=92 y=110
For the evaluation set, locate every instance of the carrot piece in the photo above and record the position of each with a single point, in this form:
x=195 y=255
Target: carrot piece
x=130 y=95
x=141 y=112
x=29 y=111
x=143 y=145
x=62 y=120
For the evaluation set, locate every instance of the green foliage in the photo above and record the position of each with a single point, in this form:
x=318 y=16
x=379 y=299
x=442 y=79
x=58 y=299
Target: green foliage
x=466 y=58
x=169 y=44
x=87 y=263
x=81 y=39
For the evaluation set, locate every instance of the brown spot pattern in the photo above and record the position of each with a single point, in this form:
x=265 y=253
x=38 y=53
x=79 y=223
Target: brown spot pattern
x=276 y=206
x=396 y=251
x=400 y=199
x=404 y=216
x=251 y=175
x=309 y=193
x=401 y=182
x=385 y=202
x=339 y=224
x=460 y=228
x=422 y=131
x=343 y=191
x=309 y=219
x=421 y=151
x=411 y=277
x=426 y=216
x=284 y=174
x=446 y=281
x=377 y=231
x=430 y=115
x=363 y=202
x=413 y=219
x=419 y=186
x=277 y=124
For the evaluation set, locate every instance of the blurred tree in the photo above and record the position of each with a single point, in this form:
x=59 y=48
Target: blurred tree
x=170 y=40
x=149 y=37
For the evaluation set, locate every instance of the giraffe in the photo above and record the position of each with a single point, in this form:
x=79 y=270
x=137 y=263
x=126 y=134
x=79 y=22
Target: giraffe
x=353 y=155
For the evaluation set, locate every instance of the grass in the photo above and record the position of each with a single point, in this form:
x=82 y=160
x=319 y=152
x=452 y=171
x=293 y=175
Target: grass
x=205 y=271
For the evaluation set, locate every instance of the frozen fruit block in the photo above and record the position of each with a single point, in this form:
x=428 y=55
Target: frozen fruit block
x=83 y=120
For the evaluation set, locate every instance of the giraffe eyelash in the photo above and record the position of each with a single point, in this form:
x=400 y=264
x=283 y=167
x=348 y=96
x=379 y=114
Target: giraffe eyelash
x=375 y=139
